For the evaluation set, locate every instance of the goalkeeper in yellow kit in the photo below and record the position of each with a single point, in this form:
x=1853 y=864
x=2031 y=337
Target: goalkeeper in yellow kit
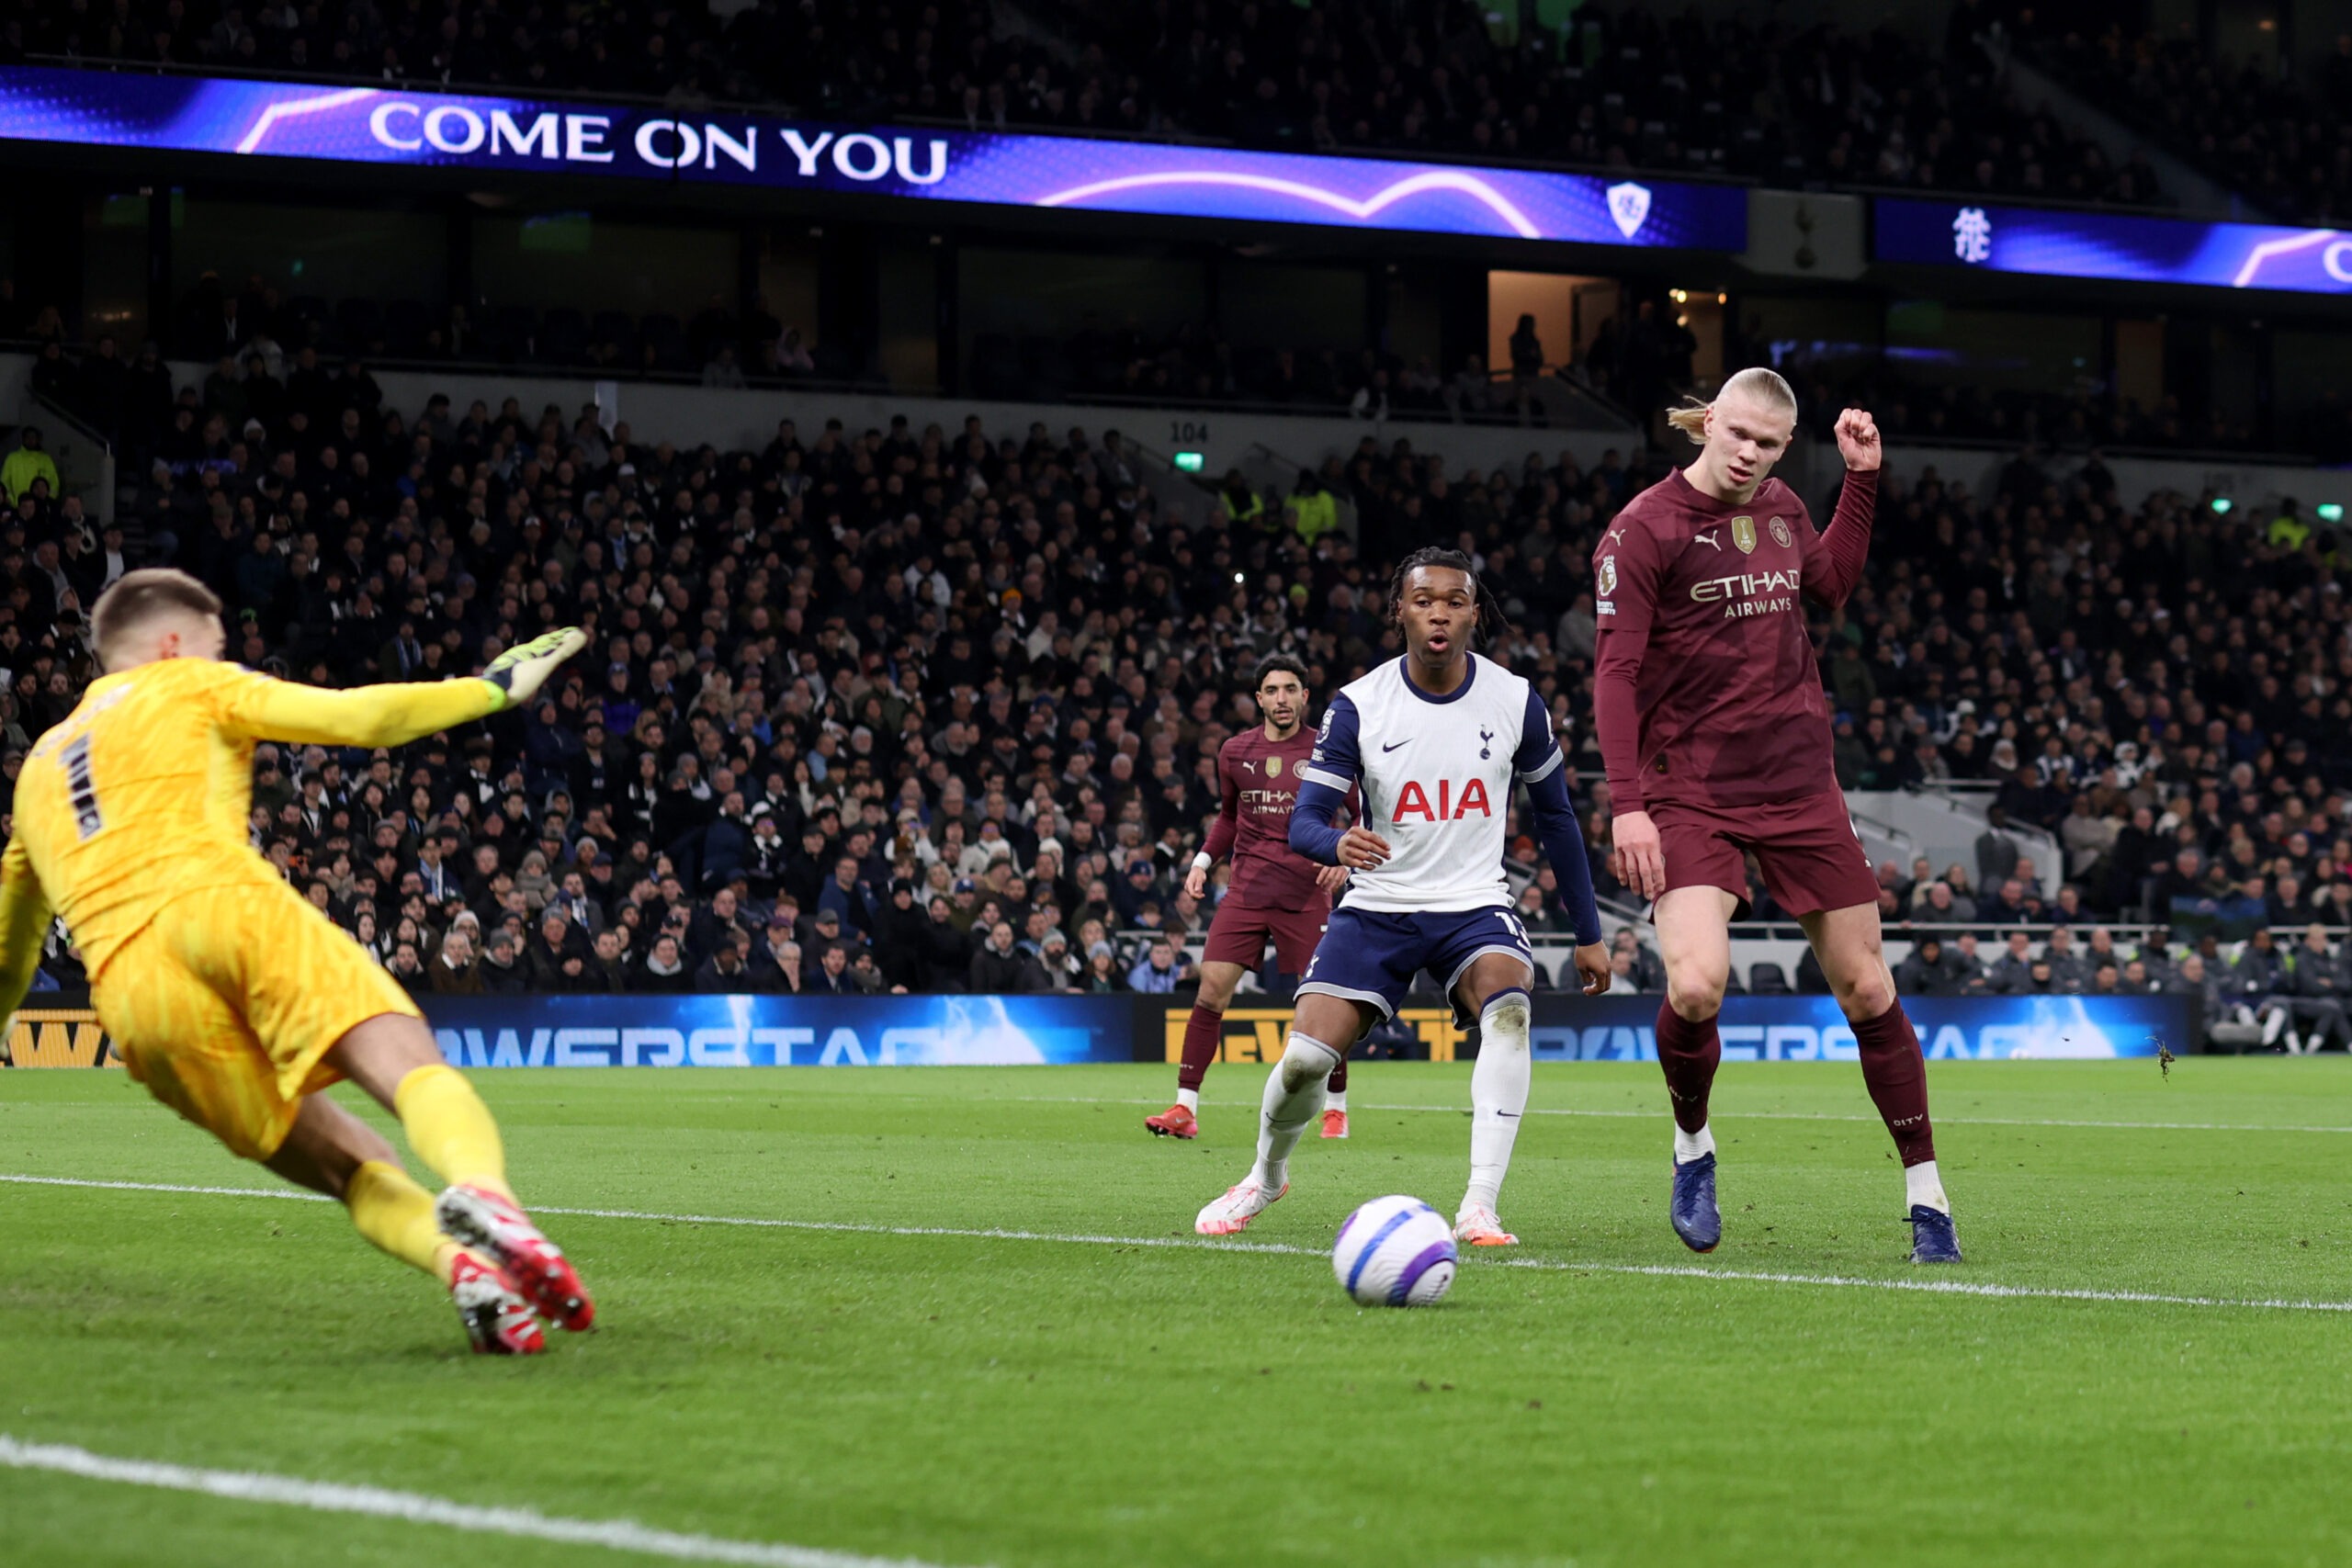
x=228 y=995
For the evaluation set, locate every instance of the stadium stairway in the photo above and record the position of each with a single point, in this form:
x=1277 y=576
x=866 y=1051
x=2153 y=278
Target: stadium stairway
x=1900 y=825
x=2193 y=192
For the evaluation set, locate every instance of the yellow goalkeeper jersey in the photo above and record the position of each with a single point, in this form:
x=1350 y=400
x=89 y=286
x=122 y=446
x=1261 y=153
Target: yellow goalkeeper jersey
x=143 y=794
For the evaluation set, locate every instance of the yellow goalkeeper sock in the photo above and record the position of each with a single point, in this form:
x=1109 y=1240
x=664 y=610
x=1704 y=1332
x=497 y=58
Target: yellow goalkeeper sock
x=450 y=1128
x=396 y=1214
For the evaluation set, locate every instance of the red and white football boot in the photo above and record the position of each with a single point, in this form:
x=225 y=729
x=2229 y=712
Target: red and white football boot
x=475 y=1216
x=1176 y=1122
x=1476 y=1225
x=498 y=1320
x=1231 y=1214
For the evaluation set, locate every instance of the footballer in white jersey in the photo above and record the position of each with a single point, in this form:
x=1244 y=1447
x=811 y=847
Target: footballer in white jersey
x=1436 y=775
x=1435 y=741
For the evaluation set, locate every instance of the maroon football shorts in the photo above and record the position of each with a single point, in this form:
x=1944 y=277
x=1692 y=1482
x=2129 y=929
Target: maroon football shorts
x=1239 y=933
x=1811 y=856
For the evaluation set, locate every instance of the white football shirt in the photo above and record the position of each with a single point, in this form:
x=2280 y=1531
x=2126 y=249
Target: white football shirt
x=1436 y=775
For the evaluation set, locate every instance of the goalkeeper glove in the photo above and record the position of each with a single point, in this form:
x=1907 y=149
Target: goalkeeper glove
x=520 y=672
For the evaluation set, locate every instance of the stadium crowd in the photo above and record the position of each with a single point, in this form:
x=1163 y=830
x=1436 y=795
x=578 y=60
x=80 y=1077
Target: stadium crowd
x=1622 y=85
x=937 y=708
x=2074 y=421
x=2286 y=144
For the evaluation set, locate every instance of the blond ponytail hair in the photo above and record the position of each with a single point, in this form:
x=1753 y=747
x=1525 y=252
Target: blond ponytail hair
x=1757 y=381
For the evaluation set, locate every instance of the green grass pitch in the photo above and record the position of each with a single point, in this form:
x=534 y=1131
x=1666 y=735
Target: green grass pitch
x=958 y=1399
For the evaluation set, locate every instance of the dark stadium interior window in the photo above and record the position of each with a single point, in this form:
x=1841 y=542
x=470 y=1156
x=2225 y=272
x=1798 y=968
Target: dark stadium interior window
x=582 y=263
x=2234 y=374
x=790 y=265
x=315 y=257
x=114 y=269
x=1269 y=306
x=2307 y=387
x=2140 y=364
x=1930 y=343
x=907 y=348
x=1416 y=318
x=1051 y=319
x=1830 y=333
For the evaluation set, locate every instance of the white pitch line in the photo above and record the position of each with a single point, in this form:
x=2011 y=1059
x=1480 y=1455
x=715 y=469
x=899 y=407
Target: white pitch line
x=1746 y=1115
x=337 y=1497
x=1928 y=1286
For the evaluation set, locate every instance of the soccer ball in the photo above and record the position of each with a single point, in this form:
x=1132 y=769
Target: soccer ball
x=1395 y=1252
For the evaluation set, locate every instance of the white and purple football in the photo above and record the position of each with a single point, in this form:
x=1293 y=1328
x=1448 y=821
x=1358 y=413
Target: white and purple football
x=1395 y=1252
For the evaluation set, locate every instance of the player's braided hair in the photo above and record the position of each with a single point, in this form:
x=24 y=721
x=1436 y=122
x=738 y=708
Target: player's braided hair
x=1291 y=662
x=1438 y=556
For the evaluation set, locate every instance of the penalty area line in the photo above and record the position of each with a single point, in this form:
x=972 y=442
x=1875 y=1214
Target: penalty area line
x=416 y=1508
x=1922 y=1286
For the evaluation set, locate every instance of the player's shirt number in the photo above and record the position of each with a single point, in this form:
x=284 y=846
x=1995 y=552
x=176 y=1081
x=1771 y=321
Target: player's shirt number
x=80 y=788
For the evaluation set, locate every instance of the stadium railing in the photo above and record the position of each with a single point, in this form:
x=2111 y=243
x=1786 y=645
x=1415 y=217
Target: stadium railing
x=84 y=459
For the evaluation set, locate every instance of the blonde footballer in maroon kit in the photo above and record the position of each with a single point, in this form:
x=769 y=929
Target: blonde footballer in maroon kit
x=1716 y=735
x=1276 y=894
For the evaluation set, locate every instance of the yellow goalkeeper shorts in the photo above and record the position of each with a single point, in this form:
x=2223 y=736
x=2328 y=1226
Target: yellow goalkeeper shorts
x=224 y=1005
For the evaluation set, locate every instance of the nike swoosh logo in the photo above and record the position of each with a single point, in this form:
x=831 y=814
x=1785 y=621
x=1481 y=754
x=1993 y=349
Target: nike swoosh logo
x=1512 y=1114
x=1387 y=748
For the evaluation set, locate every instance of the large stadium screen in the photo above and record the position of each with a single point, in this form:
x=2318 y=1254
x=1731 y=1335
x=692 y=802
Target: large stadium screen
x=2054 y=244
x=384 y=125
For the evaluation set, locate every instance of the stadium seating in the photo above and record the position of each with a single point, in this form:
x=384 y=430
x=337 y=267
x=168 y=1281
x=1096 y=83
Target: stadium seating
x=2157 y=686
x=2286 y=144
x=1623 y=85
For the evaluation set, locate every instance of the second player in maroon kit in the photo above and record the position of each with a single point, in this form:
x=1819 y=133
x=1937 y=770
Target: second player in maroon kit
x=1275 y=895
x=1713 y=727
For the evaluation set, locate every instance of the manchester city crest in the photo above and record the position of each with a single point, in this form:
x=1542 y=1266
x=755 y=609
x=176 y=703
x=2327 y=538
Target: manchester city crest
x=1780 y=532
x=1742 y=533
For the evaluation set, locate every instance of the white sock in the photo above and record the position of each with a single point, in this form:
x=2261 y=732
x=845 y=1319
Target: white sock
x=1498 y=1095
x=1293 y=1097
x=1190 y=1099
x=1688 y=1146
x=1922 y=1184
x=1336 y=1101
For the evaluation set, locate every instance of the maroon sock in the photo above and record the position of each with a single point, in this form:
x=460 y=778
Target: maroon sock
x=1689 y=1053
x=1339 y=1084
x=1897 y=1075
x=1203 y=1034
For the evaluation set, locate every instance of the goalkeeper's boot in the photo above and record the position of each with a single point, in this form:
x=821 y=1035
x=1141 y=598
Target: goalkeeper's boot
x=1691 y=1205
x=1932 y=1238
x=1231 y=1214
x=521 y=670
x=475 y=1216
x=498 y=1320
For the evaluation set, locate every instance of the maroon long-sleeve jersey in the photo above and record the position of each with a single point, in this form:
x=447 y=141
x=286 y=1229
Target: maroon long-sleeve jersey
x=1259 y=779
x=1705 y=688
